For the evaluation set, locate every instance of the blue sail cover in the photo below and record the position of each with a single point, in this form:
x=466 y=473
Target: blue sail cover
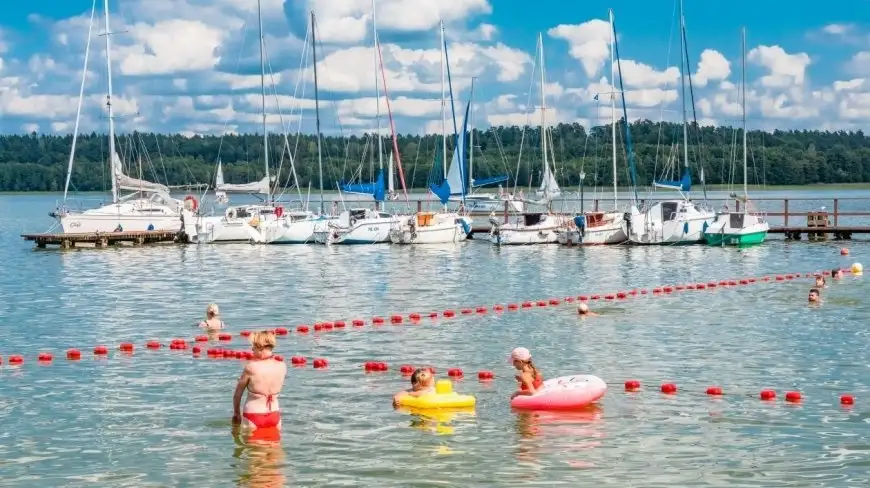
x=684 y=184
x=375 y=188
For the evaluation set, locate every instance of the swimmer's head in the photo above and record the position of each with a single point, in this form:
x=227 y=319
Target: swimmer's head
x=212 y=310
x=422 y=378
x=263 y=342
x=520 y=357
x=836 y=273
x=582 y=309
x=820 y=281
x=814 y=296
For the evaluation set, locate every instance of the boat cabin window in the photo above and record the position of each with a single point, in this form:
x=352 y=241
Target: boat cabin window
x=669 y=211
x=594 y=218
x=358 y=213
x=384 y=215
x=242 y=213
x=737 y=220
x=533 y=218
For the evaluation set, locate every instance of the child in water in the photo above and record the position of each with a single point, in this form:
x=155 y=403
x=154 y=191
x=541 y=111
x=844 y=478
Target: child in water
x=422 y=383
x=530 y=378
x=820 y=282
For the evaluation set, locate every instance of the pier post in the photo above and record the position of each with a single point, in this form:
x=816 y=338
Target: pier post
x=836 y=212
x=785 y=212
x=419 y=206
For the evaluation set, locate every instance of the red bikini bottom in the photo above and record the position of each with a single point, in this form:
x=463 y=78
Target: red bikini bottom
x=263 y=420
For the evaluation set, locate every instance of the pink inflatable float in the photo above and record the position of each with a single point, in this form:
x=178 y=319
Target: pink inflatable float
x=563 y=393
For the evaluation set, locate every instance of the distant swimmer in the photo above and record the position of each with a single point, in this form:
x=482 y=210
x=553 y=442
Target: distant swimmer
x=815 y=296
x=422 y=382
x=212 y=318
x=820 y=282
x=583 y=310
x=263 y=378
x=836 y=273
x=530 y=378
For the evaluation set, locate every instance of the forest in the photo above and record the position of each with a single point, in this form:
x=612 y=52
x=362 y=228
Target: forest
x=36 y=162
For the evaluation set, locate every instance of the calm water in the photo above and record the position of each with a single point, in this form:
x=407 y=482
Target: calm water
x=162 y=418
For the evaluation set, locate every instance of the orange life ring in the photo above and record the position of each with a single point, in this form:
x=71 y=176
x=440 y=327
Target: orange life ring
x=194 y=202
x=279 y=211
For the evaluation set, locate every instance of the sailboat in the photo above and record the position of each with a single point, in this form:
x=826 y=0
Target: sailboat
x=257 y=222
x=445 y=226
x=148 y=207
x=364 y=225
x=673 y=221
x=596 y=228
x=220 y=193
x=740 y=228
x=534 y=227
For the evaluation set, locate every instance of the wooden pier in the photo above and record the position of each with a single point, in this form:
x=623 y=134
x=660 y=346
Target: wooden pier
x=103 y=239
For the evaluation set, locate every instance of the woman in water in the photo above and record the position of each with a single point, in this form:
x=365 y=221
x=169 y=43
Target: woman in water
x=530 y=378
x=422 y=382
x=263 y=377
x=212 y=318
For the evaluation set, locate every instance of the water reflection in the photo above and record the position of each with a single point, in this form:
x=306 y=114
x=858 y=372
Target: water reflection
x=261 y=458
x=437 y=421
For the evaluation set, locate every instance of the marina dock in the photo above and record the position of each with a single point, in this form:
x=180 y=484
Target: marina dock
x=103 y=239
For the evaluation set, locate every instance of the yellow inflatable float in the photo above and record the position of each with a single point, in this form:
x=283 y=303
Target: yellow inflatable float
x=444 y=397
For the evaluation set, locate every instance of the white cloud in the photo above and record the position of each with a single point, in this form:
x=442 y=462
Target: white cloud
x=785 y=69
x=171 y=46
x=838 y=29
x=588 y=42
x=712 y=67
x=850 y=85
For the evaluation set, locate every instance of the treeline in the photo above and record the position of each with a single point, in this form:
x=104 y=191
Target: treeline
x=37 y=162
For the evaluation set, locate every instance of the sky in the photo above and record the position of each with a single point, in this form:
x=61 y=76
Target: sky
x=193 y=66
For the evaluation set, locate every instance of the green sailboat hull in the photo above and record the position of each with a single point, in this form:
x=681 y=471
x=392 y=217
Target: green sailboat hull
x=722 y=239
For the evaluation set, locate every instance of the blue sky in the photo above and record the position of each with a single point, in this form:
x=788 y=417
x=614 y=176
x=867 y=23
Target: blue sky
x=192 y=66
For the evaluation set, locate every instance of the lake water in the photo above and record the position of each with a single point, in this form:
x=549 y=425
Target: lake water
x=161 y=418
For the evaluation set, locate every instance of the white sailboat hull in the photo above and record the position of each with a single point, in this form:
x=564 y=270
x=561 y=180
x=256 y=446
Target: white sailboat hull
x=366 y=231
x=284 y=231
x=219 y=229
x=445 y=228
x=606 y=229
x=670 y=222
x=518 y=233
x=133 y=216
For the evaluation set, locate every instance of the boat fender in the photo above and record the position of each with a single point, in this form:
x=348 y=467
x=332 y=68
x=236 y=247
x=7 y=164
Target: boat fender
x=465 y=227
x=686 y=227
x=193 y=205
x=279 y=211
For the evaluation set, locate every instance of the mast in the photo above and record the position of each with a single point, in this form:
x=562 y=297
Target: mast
x=317 y=111
x=109 y=104
x=263 y=107
x=544 y=119
x=613 y=108
x=743 y=101
x=471 y=138
x=377 y=87
x=683 y=68
x=72 y=152
x=443 y=103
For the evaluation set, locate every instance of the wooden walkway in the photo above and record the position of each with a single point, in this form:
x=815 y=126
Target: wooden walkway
x=840 y=233
x=103 y=239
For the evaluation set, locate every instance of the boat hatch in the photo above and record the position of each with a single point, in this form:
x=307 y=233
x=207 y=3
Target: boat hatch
x=533 y=218
x=737 y=220
x=669 y=211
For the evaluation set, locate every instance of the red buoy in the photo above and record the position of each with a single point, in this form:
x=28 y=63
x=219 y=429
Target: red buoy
x=318 y=327
x=485 y=375
x=621 y=294
x=669 y=388
x=448 y=313
x=45 y=357
x=668 y=289
x=847 y=400
x=278 y=357
x=541 y=303
x=632 y=385
x=643 y=291
x=481 y=310
x=320 y=363
x=245 y=333
x=595 y=297
x=527 y=304
x=844 y=252
x=582 y=298
x=569 y=299
x=358 y=323
x=225 y=337
x=680 y=287
x=433 y=315
x=656 y=291
x=700 y=286
x=196 y=350
x=609 y=297
x=341 y=324
x=554 y=301
x=414 y=316
x=454 y=373
x=767 y=395
x=377 y=320
x=498 y=308
x=281 y=331
x=690 y=286
x=101 y=350
x=125 y=347
x=73 y=354
x=16 y=359
x=327 y=325
x=201 y=338
x=714 y=390
x=154 y=344
x=396 y=319
x=466 y=311
x=712 y=284
x=302 y=329
x=751 y=280
x=513 y=306
x=430 y=369
x=297 y=360
x=406 y=369
x=793 y=396
x=780 y=278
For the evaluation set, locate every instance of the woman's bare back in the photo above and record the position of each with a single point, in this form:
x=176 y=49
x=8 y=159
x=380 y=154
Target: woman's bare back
x=266 y=378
